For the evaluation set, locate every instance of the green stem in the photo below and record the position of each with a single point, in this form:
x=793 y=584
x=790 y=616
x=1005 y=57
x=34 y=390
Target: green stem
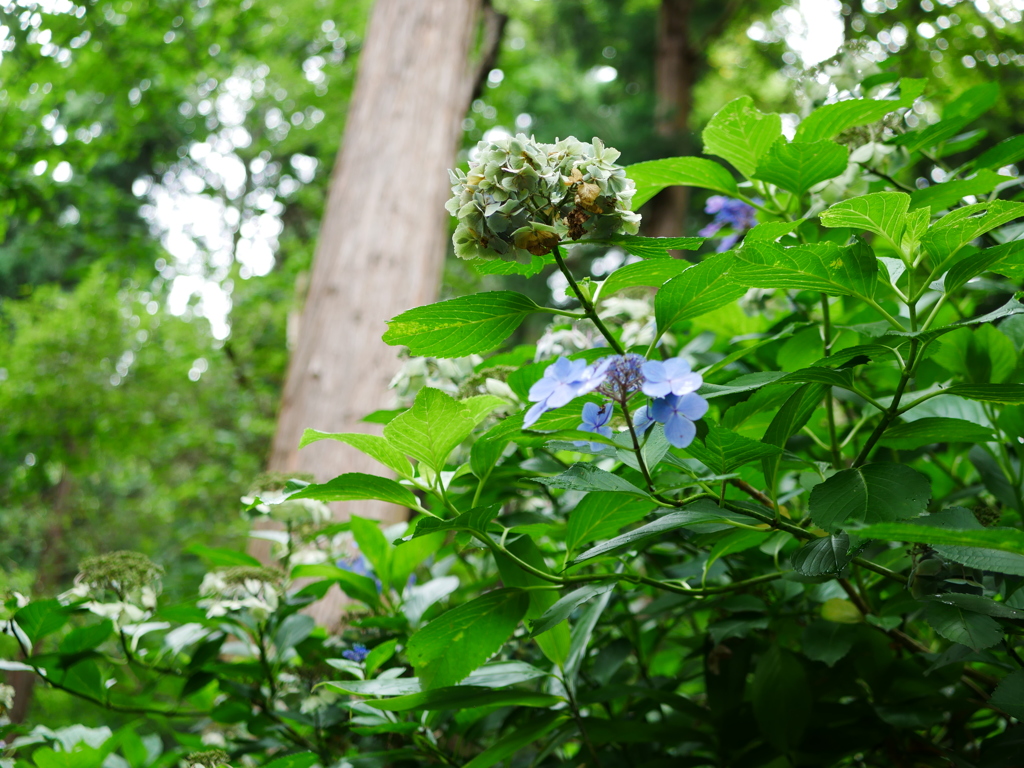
x=588 y=306
x=894 y=408
x=833 y=438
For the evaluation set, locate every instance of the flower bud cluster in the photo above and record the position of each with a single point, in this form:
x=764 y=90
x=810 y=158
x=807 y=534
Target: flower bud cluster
x=522 y=197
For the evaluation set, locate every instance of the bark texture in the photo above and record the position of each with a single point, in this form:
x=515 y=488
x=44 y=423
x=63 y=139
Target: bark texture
x=383 y=235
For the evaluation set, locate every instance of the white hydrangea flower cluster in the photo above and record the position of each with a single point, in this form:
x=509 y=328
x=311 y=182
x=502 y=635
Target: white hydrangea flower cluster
x=522 y=197
x=120 y=586
x=245 y=588
x=6 y=697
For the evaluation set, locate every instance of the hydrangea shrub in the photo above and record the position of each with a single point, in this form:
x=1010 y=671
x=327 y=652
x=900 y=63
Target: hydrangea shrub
x=758 y=507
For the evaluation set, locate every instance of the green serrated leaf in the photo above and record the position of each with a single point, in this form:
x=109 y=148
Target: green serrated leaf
x=827 y=641
x=654 y=175
x=458 y=327
x=702 y=288
x=647 y=273
x=431 y=429
x=741 y=134
x=464 y=697
x=355 y=486
x=824 y=267
x=474 y=521
x=948 y=235
x=988 y=393
x=699 y=512
x=354 y=585
x=941 y=196
x=974 y=630
x=883 y=213
x=587 y=477
x=1006 y=152
x=798 y=165
x=1000 y=539
x=599 y=515
x=650 y=247
x=561 y=609
x=823 y=557
x=373 y=446
x=462 y=639
x=874 y=493
x=832 y=119
x=934 y=429
x=1009 y=694
x=533 y=267
x=723 y=451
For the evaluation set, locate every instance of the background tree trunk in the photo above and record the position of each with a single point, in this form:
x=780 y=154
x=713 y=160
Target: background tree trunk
x=383 y=237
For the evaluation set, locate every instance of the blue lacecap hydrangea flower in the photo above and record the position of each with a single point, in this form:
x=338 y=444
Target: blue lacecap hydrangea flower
x=728 y=212
x=595 y=419
x=563 y=381
x=357 y=652
x=671 y=383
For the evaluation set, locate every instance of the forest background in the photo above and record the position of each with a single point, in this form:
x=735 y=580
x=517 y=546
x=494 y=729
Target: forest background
x=163 y=172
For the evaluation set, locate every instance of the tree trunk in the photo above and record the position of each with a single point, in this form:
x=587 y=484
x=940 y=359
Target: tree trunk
x=383 y=237
x=675 y=71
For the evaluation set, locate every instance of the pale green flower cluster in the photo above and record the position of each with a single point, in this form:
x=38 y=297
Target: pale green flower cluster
x=120 y=586
x=522 y=197
x=243 y=588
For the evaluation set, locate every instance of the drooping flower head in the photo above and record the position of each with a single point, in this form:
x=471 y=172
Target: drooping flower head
x=728 y=212
x=522 y=197
x=563 y=381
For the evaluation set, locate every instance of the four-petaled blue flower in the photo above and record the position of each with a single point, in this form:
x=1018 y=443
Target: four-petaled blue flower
x=357 y=652
x=563 y=381
x=731 y=213
x=672 y=377
x=595 y=419
x=677 y=413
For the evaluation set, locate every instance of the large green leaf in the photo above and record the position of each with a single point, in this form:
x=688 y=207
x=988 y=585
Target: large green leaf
x=874 y=493
x=1006 y=152
x=654 y=175
x=1001 y=539
x=961 y=626
x=460 y=640
x=372 y=445
x=988 y=393
x=790 y=419
x=723 y=451
x=941 y=196
x=431 y=429
x=648 y=273
x=521 y=737
x=85 y=638
x=702 y=288
x=827 y=641
x=474 y=521
x=459 y=327
x=832 y=119
x=823 y=557
x=41 y=618
x=464 y=697
x=695 y=514
x=948 y=235
x=650 y=247
x=560 y=610
x=1009 y=694
x=587 y=477
x=798 y=165
x=883 y=213
x=533 y=267
x=935 y=429
x=355 y=486
x=1002 y=259
x=555 y=642
x=824 y=267
x=781 y=697
x=354 y=585
x=741 y=134
x=599 y=515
